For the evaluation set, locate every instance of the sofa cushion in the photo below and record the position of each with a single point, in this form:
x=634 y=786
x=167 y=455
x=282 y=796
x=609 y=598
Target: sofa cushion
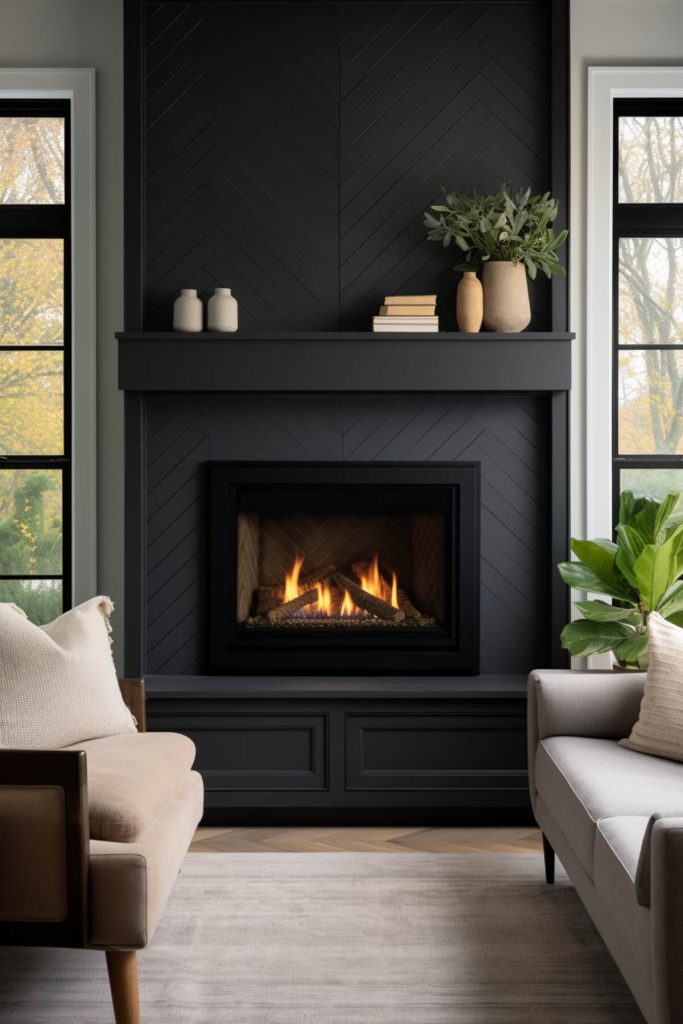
x=659 y=729
x=132 y=779
x=584 y=779
x=618 y=841
x=58 y=683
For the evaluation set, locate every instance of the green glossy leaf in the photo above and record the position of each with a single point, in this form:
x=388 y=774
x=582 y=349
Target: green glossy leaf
x=664 y=512
x=599 y=555
x=656 y=568
x=582 y=638
x=629 y=546
x=631 y=650
x=676 y=618
x=580 y=577
x=645 y=518
x=672 y=600
x=600 y=611
x=626 y=503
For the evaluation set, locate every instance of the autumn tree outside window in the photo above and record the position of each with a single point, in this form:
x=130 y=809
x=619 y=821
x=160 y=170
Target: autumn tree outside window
x=35 y=356
x=648 y=296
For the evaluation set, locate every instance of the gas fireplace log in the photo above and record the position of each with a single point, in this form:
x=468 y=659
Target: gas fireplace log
x=268 y=598
x=283 y=610
x=374 y=605
x=318 y=577
x=408 y=607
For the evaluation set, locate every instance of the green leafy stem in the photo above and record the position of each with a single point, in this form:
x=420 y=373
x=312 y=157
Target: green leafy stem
x=510 y=226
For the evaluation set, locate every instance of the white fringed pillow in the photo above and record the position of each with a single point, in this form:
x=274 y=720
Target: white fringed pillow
x=58 y=682
x=659 y=729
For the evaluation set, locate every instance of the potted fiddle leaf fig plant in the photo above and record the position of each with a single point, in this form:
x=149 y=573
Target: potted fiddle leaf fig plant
x=641 y=572
x=510 y=235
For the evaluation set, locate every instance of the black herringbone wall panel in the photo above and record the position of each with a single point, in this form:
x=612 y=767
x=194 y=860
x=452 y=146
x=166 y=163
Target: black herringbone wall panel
x=507 y=434
x=290 y=149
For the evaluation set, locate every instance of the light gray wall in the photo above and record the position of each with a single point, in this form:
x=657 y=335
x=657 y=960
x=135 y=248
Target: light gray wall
x=603 y=32
x=89 y=33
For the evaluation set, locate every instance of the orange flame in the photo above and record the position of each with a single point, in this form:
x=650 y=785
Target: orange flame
x=324 y=602
x=373 y=582
x=292 y=579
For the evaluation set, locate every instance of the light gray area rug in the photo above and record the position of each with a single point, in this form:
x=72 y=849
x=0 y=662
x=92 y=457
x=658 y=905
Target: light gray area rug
x=347 y=938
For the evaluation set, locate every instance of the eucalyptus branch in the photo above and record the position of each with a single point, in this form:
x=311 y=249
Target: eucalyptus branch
x=514 y=227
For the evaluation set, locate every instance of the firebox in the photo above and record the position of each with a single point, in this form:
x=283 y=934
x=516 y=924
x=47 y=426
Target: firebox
x=343 y=567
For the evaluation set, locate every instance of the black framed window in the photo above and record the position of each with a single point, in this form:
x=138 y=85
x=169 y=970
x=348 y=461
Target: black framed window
x=648 y=297
x=35 y=356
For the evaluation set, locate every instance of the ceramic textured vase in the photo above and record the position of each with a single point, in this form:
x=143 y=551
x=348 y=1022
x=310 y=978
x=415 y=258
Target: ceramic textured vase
x=506 y=297
x=222 y=311
x=188 y=312
x=469 y=303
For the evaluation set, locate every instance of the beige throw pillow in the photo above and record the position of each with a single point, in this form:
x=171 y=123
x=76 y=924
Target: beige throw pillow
x=58 y=683
x=659 y=729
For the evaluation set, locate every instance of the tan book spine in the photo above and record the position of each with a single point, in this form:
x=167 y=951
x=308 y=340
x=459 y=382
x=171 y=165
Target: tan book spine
x=407 y=310
x=410 y=300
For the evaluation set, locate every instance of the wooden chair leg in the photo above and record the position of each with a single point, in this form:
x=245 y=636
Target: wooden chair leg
x=122 y=966
x=549 y=859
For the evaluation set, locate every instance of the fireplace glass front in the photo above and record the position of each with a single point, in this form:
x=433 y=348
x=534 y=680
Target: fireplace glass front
x=341 y=567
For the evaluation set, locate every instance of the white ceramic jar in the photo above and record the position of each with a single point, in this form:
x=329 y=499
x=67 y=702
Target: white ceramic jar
x=188 y=312
x=222 y=311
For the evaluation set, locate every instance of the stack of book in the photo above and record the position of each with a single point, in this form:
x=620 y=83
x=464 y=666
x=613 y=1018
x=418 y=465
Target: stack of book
x=410 y=313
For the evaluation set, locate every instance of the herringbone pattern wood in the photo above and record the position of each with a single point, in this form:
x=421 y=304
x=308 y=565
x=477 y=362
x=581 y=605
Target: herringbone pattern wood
x=507 y=434
x=290 y=150
x=372 y=839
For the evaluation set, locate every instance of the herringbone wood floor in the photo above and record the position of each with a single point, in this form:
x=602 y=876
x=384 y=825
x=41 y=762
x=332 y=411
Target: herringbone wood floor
x=308 y=839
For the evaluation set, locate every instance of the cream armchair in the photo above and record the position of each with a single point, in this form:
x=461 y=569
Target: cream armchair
x=91 y=840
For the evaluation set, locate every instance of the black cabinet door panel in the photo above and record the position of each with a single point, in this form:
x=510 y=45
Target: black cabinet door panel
x=275 y=752
x=446 y=751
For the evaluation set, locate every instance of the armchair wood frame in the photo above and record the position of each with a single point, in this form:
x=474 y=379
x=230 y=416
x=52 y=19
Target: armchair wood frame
x=67 y=769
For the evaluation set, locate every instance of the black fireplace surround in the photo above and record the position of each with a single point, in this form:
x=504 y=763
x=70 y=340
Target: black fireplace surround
x=288 y=150
x=421 y=521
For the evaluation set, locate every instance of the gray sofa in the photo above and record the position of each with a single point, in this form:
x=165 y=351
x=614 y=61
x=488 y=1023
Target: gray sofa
x=615 y=820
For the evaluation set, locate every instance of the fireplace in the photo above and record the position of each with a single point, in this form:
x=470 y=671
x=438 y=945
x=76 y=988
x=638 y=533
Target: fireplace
x=334 y=568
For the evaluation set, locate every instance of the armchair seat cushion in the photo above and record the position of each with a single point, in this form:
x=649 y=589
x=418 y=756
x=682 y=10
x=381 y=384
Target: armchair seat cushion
x=132 y=779
x=583 y=779
x=130 y=883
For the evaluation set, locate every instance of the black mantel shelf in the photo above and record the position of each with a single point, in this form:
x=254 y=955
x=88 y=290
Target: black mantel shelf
x=339 y=361
x=484 y=687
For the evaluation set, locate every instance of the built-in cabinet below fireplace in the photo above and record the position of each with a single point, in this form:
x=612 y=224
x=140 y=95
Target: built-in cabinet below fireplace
x=342 y=745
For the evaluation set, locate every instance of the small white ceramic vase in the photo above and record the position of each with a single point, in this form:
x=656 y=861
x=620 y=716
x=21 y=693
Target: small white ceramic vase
x=188 y=312
x=222 y=311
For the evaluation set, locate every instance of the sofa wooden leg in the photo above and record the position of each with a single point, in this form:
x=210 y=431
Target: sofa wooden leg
x=549 y=858
x=122 y=966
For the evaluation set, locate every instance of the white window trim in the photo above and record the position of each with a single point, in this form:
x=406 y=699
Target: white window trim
x=605 y=84
x=77 y=85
